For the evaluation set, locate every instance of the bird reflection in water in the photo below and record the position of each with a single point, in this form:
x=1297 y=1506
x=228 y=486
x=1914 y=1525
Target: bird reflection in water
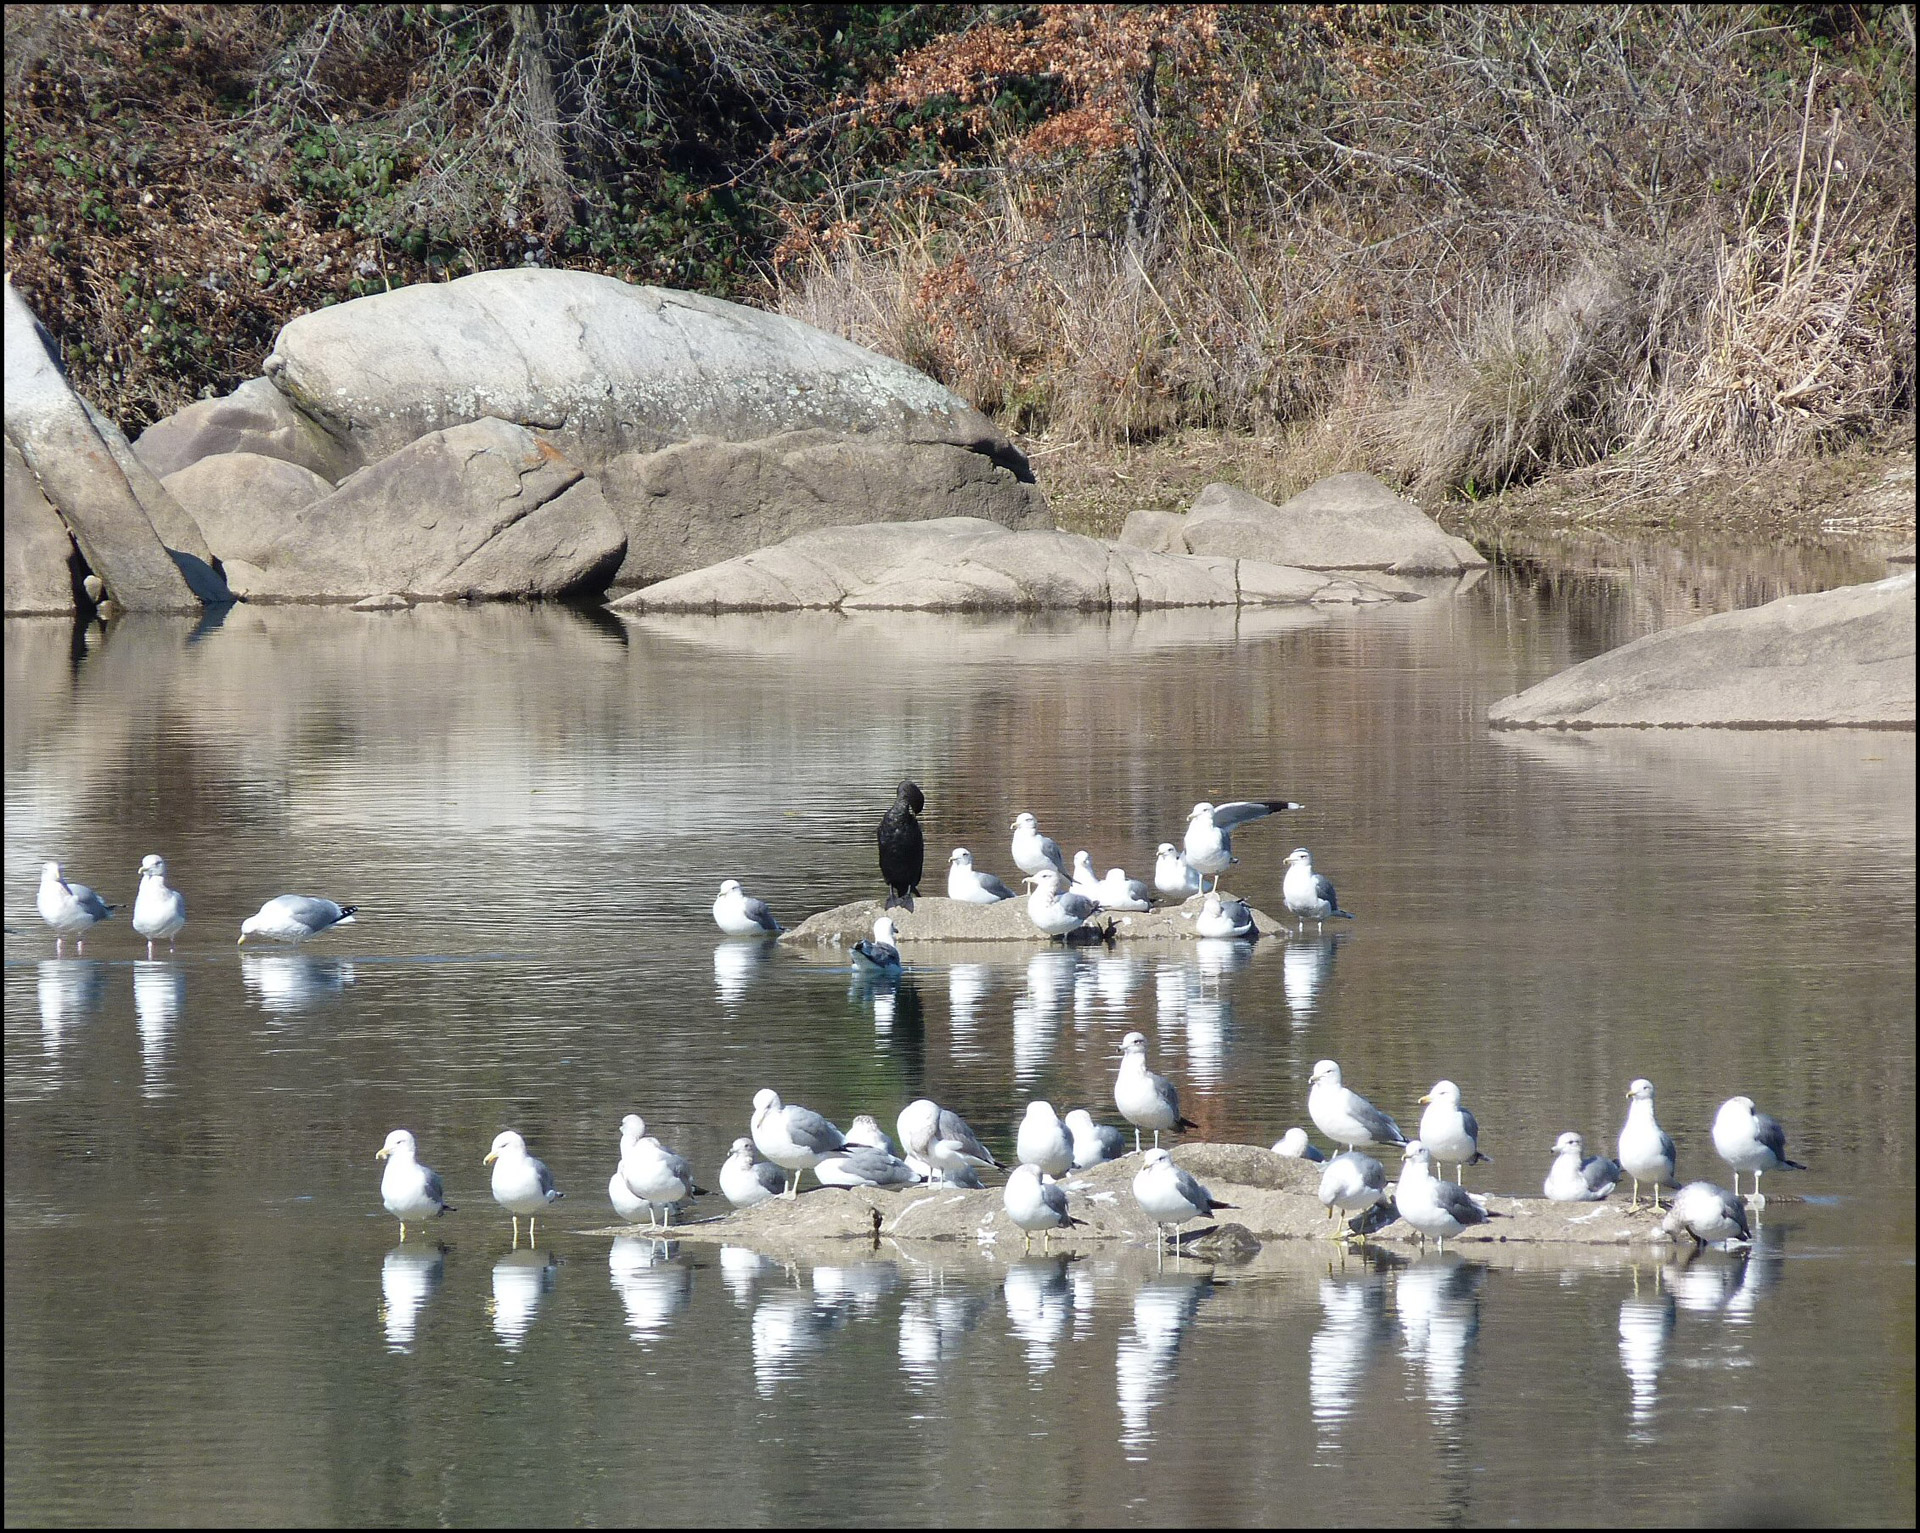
x=71 y=990
x=1353 y=1327
x=736 y=965
x=857 y=1289
x=1163 y=1310
x=1305 y=968
x=742 y=1270
x=1112 y=978
x=410 y=1275
x=1646 y=1323
x=787 y=1328
x=653 y=1285
x=966 y=988
x=933 y=1321
x=521 y=1279
x=1037 y=1012
x=159 y=992
x=1040 y=1305
x=1439 y=1307
x=283 y=984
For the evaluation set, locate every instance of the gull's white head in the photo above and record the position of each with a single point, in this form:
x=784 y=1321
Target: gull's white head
x=1641 y=1090
x=743 y=1146
x=50 y=873
x=1156 y=1157
x=1445 y=1093
x=1024 y=822
x=1211 y=907
x=1745 y=1104
x=1134 y=1043
x=1047 y=881
x=1326 y=1070
x=731 y=886
x=632 y=1127
x=506 y=1142
x=153 y=864
x=1293 y=1144
x=883 y=930
x=1569 y=1144
x=1418 y=1153
x=1038 y=1109
x=1199 y=809
x=1083 y=867
x=765 y=1100
x=1299 y=854
x=399 y=1142
x=961 y=856
x=1079 y=1120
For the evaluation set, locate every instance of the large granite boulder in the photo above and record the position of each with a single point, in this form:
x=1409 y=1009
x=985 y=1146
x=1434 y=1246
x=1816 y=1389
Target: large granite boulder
x=231 y=492
x=1841 y=658
x=131 y=533
x=1347 y=522
x=39 y=549
x=483 y=510
x=958 y=564
x=254 y=418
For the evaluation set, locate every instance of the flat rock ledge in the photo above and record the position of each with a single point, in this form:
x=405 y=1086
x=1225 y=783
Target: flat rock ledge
x=1841 y=659
x=1273 y=1199
x=937 y=919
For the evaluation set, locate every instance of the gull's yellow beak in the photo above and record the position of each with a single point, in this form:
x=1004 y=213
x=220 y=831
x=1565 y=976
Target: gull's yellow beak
x=243 y=938
x=492 y=1155
x=1426 y=1099
x=382 y=1153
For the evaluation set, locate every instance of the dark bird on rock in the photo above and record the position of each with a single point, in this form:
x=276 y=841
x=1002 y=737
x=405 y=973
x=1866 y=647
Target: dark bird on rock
x=903 y=853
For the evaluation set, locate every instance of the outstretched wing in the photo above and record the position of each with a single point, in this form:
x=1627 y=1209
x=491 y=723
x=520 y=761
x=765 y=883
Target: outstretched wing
x=1226 y=816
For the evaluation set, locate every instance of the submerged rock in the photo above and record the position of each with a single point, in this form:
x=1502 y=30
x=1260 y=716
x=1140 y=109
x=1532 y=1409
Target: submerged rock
x=937 y=919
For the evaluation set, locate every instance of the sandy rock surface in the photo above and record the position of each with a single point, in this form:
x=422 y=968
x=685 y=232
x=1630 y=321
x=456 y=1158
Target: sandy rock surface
x=934 y=918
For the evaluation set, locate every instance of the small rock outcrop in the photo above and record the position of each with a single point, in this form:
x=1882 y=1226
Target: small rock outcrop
x=936 y=919
x=1346 y=522
x=966 y=564
x=1831 y=659
x=39 y=549
x=254 y=418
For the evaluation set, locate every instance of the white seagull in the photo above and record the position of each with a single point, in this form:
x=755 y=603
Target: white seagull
x=1352 y=1184
x=746 y=1181
x=1093 y=1143
x=521 y=1184
x=1449 y=1131
x=70 y=909
x=1345 y=1116
x=794 y=1138
x=1033 y=852
x=969 y=885
x=1577 y=1177
x=1294 y=1145
x=1431 y=1206
x=1035 y=1201
x=1043 y=1141
x=629 y=1206
x=1307 y=894
x=1054 y=910
x=1227 y=917
x=654 y=1173
x=864 y=1165
x=1709 y=1214
x=924 y=1124
x=159 y=912
x=296 y=917
x=1145 y=1100
x=739 y=914
x=1173 y=875
x=1171 y=1195
x=866 y=1130
x=409 y=1189
x=1209 y=846
x=879 y=953
x=1646 y=1153
x=1748 y=1140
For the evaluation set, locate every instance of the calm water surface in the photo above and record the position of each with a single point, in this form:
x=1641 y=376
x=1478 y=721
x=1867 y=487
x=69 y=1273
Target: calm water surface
x=208 y=1317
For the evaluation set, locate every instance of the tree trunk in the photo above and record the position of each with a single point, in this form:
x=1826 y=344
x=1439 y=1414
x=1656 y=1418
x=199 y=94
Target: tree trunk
x=1143 y=196
x=540 y=137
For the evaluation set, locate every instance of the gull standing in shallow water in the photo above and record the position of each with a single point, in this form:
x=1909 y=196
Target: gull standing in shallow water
x=746 y=1181
x=296 y=917
x=1171 y=1195
x=1093 y=1143
x=1345 y=1116
x=880 y=952
x=1646 y=1153
x=1294 y=1145
x=1748 y=1140
x=739 y=914
x=1209 y=844
x=409 y=1189
x=1173 y=875
x=1449 y=1131
x=159 y=912
x=1145 y=1100
x=1033 y=852
x=1431 y=1206
x=521 y=1184
x=794 y=1138
x=969 y=885
x=1307 y=894
x=1577 y=1177
x=1035 y=1201
x=655 y=1173
x=629 y=1206
x=1709 y=1214
x=70 y=909
x=903 y=850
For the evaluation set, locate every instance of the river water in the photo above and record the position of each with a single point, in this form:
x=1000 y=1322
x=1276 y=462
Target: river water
x=209 y=1317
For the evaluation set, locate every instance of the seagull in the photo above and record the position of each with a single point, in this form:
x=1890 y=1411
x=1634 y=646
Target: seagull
x=1054 y=910
x=1033 y=852
x=521 y=1184
x=1170 y=1195
x=1307 y=894
x=1646 y=1153
x=1210 y=826
x=968 y=885
x=1224 y=918
x=903 y=850
x=1145 y=1100
x=923 y=1124
x=158 y=911
x=866 y=1130
x=879 y=953
x=1431 y=1206
x=1352 y=1183
x=1173 y=875
x=1085 y=880
x=793 y=1138
x=948 y=1166
x=409 y=1189
x=629 y=1206
x=296 y=917
x=1345 y=1116
x=739 y=914
x=864 y=1165
x=655 y=1173
x=1577 y=1177
x=747 y=1181
x=1748 y=1140
x=1043 y=1141
x=1293 y=1145
x=1450 y=1133
x=1093 y=1143
x=1035 y=1201
x=1118 y=892
x=1709 y=1214
x=69 y=908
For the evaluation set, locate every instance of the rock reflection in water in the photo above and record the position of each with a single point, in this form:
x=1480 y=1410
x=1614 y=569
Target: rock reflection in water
x=653 y=1284
x=71 y=990
x=1353 y=1327
x=1163 y=1311
x=159 y=993
x=1438 y=1302
x=521 y=1279
x=409 y=1276
x=737 y=963
x=1040 y=1304
x=284 y=984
